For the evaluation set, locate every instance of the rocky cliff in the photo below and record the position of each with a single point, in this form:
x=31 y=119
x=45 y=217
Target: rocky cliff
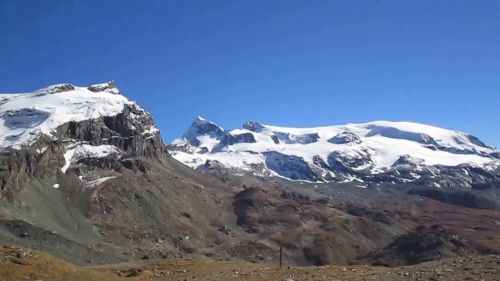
x=63 y=128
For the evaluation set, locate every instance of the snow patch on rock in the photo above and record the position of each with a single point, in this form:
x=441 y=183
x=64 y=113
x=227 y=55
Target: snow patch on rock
x=77 y=152
x=99 y=181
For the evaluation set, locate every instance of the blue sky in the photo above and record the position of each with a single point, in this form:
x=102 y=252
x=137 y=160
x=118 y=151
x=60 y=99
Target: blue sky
x=290 y=63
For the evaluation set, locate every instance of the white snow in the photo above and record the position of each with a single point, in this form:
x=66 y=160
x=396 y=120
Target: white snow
x=383 y=141
x=76 y=152
x=243 y=161
x=99 y=181
x=41 y=150
x=151 y=130
x=23 y=117
x=385 y=150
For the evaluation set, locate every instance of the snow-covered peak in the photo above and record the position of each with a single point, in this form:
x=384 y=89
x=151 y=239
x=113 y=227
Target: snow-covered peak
x=204 y=132
x=199 y=119
x=373 y=148
x=25 y=116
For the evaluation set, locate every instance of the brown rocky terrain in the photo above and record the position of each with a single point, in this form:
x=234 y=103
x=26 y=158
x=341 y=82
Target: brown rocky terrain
x=23 y=264
x=159 y=208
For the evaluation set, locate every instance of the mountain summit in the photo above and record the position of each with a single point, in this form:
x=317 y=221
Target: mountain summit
x=62 y=127
x=373 y=152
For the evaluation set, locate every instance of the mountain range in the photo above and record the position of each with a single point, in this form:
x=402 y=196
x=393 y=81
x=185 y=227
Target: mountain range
x=86 y=176
x=369 y=153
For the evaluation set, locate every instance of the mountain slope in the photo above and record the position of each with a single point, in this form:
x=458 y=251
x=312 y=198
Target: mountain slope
x=85 y=175
x=373 y=152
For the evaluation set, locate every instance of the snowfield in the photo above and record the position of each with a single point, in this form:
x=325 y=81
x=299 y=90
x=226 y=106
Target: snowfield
x=24 y=117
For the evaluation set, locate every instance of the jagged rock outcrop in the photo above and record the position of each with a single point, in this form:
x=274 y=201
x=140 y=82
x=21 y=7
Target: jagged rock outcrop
x=132 y=131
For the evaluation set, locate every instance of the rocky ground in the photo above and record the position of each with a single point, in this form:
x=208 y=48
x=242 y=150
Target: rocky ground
x=172 y=211
x=23 y=264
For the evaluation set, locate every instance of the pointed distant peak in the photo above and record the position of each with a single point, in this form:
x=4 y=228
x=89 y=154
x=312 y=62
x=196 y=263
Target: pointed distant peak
x=109 y=87
x=202 y=127
x=200 y=120
x=253 y=126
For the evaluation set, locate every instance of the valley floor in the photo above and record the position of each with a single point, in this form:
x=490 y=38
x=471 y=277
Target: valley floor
x=23 y=264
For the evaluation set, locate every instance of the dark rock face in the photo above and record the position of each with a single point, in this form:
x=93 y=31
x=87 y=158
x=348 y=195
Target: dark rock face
x=230 y=139
x=345 y=163
x=108 y=87
x=476 y=141
x=17 y=166
x=296 y=139
x=132 y=131
x=291 y=167
x=345 y=138
x=464 y=176
x=59 y=88
x=253 y=126
x=275 y=139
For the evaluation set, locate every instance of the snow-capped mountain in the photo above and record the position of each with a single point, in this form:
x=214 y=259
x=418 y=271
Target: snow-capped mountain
x=26 y=116
x=60 y=127
x=379 y=151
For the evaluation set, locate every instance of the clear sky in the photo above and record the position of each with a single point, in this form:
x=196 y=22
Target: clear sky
x=290 y=63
